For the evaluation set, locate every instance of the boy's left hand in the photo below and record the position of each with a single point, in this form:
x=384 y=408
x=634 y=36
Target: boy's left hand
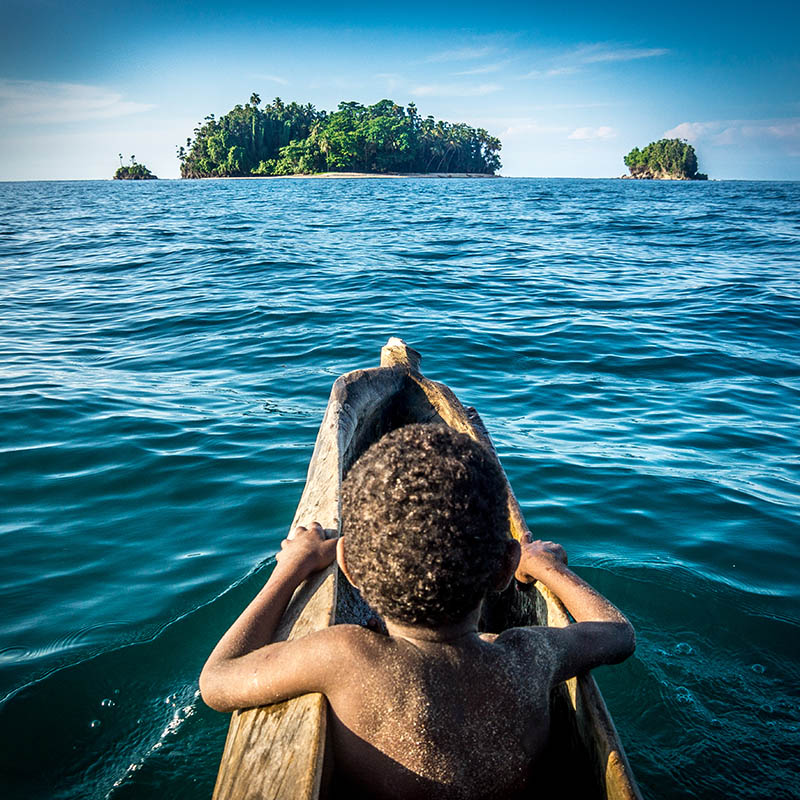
x=307 y=551
x=537 y=557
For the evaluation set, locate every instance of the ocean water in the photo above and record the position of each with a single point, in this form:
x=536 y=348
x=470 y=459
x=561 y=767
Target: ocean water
x=166 y=353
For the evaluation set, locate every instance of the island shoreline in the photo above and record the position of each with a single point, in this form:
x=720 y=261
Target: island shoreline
x=340 y=175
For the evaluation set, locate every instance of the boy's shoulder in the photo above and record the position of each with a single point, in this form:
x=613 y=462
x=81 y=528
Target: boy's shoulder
x=530 y=636
x=363 y=647
x=344 y=642
x=358 y=639
x=536 y=644
x=341 y=635
x=531 y=646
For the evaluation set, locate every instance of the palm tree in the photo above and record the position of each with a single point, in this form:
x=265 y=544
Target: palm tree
x=254 y=99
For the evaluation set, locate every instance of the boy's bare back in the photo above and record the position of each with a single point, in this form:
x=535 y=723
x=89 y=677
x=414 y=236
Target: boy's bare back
x=434 y=709
x=420 y=712
x=421 y=719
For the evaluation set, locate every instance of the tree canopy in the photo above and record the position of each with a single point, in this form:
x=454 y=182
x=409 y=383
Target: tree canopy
x=284 y=139
x=666 y=158
x=133 y=172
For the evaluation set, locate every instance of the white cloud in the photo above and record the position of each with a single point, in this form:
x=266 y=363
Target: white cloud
x=773 y=134
x=391 y=80
x=532 y=129
x=584 y=134
x=554 y=72
x=484 y=70
x=50 y=102
x=692 y=131
x=784 y=129
x=460 y=54
x=90 y=151
x=449 y=90
x=576 y=60
x=271 y=78
x=562 y=106
x=600 y=53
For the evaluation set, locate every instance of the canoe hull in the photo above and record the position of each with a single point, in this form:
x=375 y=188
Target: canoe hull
x=278 y=752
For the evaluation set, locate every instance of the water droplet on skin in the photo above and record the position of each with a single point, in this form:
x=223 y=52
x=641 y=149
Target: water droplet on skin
x=95 y=723
x=107 y=703
x=683 y=695
x=715 y=723
x=758 y=669
x=684 y=649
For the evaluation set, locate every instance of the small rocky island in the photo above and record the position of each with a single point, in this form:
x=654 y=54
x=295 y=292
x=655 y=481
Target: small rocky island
x=133 y=172
x=666 y=160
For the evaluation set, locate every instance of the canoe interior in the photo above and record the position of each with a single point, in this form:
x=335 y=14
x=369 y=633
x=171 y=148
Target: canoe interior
x=280 y=751
x=569 y=766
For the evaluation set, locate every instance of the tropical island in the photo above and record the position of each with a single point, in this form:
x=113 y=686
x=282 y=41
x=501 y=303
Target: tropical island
x=666 y=159
x=133 y=172
x=291 y=139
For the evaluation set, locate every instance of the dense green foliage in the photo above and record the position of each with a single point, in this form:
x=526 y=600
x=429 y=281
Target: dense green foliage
x=134 y=172
x=282 y=139
x=666 y=158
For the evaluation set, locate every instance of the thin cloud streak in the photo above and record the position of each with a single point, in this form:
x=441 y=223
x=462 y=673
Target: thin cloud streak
x=772 y=134
x=485 y=70
x=599 y=53
x=272 y=79
x=448 y=90
x=533 y=129
x=588 y=134
x=551 y=73
x=577 y=60
x=564 y=106
x=460 y=54
x=48 y=102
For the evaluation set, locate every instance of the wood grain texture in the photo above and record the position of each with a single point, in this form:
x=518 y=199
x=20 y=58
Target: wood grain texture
x=278 y=752
x=592 y=721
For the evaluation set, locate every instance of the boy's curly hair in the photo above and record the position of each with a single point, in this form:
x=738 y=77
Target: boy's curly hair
x=425 y=520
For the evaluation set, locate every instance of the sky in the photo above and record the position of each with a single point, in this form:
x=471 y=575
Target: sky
x=569 y=87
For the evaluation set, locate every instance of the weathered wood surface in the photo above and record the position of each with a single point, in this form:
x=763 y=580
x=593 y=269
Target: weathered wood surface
x=594 y=724
x=277 y=752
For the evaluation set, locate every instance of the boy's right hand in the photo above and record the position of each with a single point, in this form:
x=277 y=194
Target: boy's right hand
x=306 y=551
x=538 y=557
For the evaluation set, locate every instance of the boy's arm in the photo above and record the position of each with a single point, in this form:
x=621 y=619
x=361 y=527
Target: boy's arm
x=244 y=669
x=601 y=633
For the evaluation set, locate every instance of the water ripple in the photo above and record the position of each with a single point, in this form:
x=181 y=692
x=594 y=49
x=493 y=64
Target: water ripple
x=168 y=351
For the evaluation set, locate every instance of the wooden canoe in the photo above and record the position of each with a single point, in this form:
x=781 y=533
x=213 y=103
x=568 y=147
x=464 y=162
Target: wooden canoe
x=278 y=752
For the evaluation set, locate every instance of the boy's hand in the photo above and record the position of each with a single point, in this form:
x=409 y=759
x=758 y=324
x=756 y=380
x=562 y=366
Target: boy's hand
x=307 y=551
x=236 y=673
x=537 y=558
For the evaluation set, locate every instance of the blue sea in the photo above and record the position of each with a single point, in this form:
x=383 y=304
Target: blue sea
x=166 y=354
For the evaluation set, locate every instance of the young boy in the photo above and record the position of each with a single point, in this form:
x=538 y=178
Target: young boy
x=434 y=709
